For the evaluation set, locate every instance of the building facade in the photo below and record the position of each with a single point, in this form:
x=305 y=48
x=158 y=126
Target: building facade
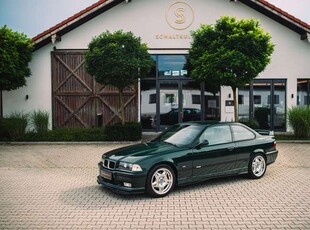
x=60 y=85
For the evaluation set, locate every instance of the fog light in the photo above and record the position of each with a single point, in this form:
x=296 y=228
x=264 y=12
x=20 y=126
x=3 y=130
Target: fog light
x=126 y=184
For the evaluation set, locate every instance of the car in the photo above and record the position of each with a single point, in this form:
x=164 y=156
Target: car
x=171 y=118
x=187 y=153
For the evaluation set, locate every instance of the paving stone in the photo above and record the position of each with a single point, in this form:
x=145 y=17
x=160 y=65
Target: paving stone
x=54 y=187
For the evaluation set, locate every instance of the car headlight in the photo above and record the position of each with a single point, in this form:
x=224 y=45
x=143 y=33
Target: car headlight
x=130 y=167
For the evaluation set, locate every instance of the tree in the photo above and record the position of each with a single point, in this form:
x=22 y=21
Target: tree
x=118 y=59
x=15 y=55
x=231 y=53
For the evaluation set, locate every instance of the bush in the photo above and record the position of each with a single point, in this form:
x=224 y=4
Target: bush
x=299 y=119
x=252 y=123
x=15 y=125
x=67 y=134
x=3 y=131
x=131 y=131
x=39 y=120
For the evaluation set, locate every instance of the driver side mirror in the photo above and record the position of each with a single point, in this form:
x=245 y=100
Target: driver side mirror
x=202 y=144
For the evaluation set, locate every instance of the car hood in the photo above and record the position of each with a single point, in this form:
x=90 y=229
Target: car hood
x=134 y=153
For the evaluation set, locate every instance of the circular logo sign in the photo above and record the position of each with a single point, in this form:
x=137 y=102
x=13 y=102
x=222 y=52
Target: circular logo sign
x=180 y=15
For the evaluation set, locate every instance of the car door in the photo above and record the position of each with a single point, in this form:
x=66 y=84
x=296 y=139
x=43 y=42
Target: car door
x=245 y=145
x=218 y=156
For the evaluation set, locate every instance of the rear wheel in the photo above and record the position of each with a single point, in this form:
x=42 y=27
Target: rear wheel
x=160 y=181
x=257 y=166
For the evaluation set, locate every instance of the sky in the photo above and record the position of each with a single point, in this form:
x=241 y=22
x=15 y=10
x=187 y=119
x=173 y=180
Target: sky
x=35 y=16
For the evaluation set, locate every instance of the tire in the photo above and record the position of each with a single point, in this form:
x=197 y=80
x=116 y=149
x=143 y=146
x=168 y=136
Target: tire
x=257 y=166
x=160 y=181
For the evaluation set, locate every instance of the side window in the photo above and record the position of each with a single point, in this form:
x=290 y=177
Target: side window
x=241 y=133
x=217 y=135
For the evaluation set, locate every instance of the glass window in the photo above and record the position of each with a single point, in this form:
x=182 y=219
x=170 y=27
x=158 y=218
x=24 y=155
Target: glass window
x=241 y=133
x=275 y=99
x=196 y=99
x=257 y=99
x=241 y=99
x=303 y=92
x=172 y=66
x=217 y=135
x=148 y=103
x=152 y=98
x=170 y=98
x=244 y=102
x=180 y=135
x=211 y=102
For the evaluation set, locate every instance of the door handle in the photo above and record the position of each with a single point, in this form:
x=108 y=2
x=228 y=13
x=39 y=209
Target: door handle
x=230 y=148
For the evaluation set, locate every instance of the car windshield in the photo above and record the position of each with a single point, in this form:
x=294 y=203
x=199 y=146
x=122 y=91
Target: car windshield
x=180 y=135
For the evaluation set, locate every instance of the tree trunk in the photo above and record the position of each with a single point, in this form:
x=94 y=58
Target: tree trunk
x=234 y=89
x=122 y=104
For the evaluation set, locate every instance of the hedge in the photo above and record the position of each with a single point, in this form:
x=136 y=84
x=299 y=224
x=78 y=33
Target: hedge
x=129 y=132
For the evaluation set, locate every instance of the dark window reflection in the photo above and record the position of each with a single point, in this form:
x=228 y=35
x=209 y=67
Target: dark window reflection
x=303 y=92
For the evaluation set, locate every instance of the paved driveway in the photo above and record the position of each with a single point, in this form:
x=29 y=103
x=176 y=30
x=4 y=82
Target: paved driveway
x=54 y=186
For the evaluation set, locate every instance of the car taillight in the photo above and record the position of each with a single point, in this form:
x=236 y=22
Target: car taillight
x=275 y=145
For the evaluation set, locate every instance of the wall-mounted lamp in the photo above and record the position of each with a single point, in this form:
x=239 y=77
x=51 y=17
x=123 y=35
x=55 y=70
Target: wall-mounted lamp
x=292 y=95
x=229 y=95
x=27 y=97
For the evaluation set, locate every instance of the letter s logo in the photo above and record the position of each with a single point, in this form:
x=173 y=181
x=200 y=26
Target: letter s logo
x=179 y=13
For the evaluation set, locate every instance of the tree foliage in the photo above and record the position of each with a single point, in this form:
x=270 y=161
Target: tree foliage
x=15 y=54
x=230 y=53
x=118 y=59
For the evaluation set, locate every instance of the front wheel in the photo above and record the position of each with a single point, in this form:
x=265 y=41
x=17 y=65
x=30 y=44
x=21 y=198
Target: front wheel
x=257 y=166
x=160 y=181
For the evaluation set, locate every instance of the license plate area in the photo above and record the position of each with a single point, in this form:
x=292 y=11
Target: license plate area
x=106 y=175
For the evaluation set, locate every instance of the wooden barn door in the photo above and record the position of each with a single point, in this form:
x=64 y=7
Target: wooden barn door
x=79 y=101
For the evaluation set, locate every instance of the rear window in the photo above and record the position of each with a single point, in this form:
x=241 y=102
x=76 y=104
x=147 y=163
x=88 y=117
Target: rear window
x=241 y=133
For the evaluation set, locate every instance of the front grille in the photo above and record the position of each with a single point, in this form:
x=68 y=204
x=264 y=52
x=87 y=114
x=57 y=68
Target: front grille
x=109 y=164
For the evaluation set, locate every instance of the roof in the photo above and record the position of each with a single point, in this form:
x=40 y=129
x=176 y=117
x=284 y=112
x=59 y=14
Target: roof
x=101 y=6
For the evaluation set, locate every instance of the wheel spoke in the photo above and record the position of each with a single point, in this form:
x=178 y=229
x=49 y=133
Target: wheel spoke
x=258 y=166
x=162 y=181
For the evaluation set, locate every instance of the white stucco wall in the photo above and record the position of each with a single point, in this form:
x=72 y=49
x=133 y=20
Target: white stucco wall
x=146 y=19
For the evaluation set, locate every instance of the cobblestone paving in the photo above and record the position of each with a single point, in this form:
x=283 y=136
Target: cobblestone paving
x=54 y=187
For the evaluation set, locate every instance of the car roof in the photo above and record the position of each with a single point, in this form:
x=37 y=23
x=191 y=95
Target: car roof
x=208 y=123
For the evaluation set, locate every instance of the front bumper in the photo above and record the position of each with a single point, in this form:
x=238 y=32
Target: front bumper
x=114 y=180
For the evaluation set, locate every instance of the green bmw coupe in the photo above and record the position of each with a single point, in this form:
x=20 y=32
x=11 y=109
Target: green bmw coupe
x=187 y=153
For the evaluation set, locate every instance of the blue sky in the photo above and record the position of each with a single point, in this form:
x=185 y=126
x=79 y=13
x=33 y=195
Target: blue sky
x=35 y=16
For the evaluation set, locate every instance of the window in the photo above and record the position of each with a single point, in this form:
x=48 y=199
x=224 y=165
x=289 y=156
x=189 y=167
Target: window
x=241 y=99
x=152 y=99
x=275 y=99
x=303 y=92
x=217 y=135
x=196 y=99
x=241 y=133
x=170 y=98
x=257 y=99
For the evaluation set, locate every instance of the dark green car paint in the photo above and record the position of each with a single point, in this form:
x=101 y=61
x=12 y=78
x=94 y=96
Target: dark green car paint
x=192 y=163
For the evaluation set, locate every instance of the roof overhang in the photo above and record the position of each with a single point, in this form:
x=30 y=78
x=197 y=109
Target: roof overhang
x=280 y=16
x=54 y=33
